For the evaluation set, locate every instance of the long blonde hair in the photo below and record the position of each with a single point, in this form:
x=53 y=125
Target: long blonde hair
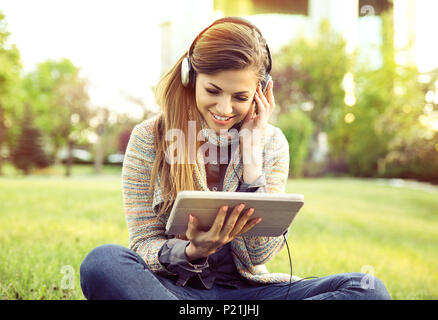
x=224 y=46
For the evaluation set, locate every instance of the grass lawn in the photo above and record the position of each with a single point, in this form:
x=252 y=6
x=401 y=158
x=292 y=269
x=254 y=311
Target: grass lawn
x=49 y=223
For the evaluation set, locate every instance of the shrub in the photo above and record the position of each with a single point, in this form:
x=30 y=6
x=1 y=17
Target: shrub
x=29 y=152
x=297 y=128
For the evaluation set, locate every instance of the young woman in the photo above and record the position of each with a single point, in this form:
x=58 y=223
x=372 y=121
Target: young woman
x=217 y=88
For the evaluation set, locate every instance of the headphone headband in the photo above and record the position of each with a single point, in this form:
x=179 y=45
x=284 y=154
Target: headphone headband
x=187 y=71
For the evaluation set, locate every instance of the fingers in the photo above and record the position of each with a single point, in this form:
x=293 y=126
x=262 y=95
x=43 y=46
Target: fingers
x=251 y=224
x=263 y=96
x=241 y=223
x=192 y=227
x=219 y=220
x=231 y=221
x=260 y=104
x=267 y=102
x=270 y=96
x=236 y=224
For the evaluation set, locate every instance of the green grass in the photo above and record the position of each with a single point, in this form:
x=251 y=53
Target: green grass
x=48 y=224
x=353 y=225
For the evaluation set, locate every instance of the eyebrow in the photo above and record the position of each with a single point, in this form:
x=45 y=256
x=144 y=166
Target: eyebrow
x=218 y=88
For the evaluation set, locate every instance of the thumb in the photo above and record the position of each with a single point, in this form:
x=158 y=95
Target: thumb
x=192 y=226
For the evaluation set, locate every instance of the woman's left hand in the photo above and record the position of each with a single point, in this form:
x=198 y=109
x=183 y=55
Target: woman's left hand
x=251 y=138
x=265 y=107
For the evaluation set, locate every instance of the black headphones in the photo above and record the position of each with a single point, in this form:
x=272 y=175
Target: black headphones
x=188 y=74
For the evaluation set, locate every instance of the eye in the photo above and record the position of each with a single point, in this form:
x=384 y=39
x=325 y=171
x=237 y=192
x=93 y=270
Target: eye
x=212 y=91
x=241 y=98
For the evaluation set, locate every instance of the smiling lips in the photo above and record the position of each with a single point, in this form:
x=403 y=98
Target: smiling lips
x=220 y=120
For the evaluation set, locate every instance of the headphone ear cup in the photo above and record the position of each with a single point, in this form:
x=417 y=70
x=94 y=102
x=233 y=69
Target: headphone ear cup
x=192 y=77
x=266 y=81
x=185 y=72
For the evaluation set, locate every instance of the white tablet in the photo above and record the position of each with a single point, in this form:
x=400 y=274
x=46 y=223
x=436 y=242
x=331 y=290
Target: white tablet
x=276 y=209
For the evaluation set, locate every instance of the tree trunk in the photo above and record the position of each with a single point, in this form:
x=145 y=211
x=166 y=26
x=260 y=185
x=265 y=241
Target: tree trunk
x=2 y=135
x=69 y=162
x=100 y=151
x=314 y=142
x=1 y=159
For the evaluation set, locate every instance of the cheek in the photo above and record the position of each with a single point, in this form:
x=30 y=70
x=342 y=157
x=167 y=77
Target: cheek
x=203 y=101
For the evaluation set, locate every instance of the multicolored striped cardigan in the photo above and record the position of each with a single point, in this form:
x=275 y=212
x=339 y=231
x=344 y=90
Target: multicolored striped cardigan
x=147 y=229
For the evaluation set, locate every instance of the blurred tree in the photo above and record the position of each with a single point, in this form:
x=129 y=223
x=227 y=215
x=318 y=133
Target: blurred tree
x=71 y=103
x=10 y=68
x=308 y=75
x=101 y=124
x=29 y=152
x=121 y=132
x=297 y=128
x=410 y=123
x=356 y=140
x=391 y=131
x=60 y=99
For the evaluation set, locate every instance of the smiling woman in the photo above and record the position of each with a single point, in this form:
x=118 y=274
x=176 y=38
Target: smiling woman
x=216 y=85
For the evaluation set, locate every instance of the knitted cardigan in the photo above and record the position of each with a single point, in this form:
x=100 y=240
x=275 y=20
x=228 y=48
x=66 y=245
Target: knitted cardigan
x=147 y=229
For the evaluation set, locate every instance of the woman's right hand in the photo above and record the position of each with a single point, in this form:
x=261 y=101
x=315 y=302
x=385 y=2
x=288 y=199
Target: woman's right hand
x=204 y=243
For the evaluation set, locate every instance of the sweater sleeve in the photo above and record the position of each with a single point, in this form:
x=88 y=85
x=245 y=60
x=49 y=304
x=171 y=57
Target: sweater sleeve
x=276 y=169
x=258 y=185
x=172 y=256
x=146 y=230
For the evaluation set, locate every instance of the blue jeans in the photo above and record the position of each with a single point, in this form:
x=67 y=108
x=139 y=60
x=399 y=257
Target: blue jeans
x=115 y=272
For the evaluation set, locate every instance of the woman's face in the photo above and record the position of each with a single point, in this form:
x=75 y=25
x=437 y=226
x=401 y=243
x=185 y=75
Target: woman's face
x=228 y=94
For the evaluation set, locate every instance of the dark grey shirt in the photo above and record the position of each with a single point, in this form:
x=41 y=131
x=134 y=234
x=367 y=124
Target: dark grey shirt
x=219 y=267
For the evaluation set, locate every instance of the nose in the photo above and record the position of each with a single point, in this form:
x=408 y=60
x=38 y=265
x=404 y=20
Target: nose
x=224 y=106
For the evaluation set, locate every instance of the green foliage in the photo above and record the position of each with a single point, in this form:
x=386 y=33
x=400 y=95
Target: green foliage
x=360 y=143
x=10 y=68
x=412 y=133
x=386 y=138
x=308 y=75
x=311 y=72
x=10 y=65
x=366 y=145
x=59 y=97
x=388 y=131
x=415 y=159
x=298 y=129
x=56 y=92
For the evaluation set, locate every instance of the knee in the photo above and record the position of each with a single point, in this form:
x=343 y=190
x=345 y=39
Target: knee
x=99 y=261
x=370 y=287
x=113 y=272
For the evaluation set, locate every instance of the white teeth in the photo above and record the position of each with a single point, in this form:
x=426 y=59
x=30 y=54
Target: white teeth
x=220 y=118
